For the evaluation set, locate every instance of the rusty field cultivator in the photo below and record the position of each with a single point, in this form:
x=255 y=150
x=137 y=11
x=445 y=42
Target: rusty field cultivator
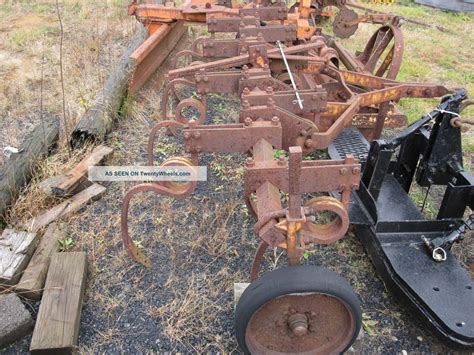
x=301 y=91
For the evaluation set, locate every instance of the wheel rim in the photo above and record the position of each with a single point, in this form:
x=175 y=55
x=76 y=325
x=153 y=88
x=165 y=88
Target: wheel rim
x=306 y=323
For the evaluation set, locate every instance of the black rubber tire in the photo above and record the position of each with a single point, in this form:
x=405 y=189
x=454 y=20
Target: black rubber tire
x=294 y=279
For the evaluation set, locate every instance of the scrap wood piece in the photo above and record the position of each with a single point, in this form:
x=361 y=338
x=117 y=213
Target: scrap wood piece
x=99 y=118
x=57 y=325
x=33 y=278
x=71 y=180
x=16 y=248
x=71 y=205
x=47 y=184
x=18 y=170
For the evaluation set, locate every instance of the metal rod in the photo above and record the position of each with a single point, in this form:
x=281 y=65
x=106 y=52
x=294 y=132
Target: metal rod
x=300 y=102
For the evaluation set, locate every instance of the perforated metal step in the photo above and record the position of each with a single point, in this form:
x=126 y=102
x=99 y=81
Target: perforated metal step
x=350 y=141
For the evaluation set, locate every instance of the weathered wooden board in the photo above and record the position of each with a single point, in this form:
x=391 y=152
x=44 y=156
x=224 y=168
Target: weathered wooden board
x=57 y=325
x=17 y=172
x=16 y=248
x=71 y=180
x=33 y=278
x=47 y=184
x=75 y=203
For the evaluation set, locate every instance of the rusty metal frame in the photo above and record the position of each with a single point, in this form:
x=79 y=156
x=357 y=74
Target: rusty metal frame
x=255 y=66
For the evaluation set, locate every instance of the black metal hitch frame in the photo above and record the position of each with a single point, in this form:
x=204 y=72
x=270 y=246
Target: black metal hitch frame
x=412 y=254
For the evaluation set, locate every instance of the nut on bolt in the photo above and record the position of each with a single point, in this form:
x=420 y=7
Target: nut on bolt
x=248 y=121
x=298 y=323
x=249 y=162
x=282 y=161
x=187 y=135
x=356 y=170
x=343 y=171
x=275 y=120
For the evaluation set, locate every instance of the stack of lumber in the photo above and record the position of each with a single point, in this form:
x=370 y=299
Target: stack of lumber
x=31 y=265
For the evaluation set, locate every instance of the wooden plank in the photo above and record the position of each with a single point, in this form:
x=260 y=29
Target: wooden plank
x=16 y=248
x=47 y=184
x=65 y=208
x=33 y=278
x=73 y=178
x=59 y=316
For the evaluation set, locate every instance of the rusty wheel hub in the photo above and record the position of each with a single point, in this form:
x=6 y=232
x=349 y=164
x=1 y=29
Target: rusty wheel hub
x=308 y=323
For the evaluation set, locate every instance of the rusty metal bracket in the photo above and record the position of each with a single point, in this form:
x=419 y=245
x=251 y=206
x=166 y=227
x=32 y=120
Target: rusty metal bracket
x=232 y=137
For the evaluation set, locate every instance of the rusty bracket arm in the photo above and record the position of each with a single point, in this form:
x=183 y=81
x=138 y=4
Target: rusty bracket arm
x=232 y=137
x=237 y=61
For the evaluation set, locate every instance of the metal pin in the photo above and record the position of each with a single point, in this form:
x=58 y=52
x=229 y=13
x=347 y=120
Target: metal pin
x=297 y=94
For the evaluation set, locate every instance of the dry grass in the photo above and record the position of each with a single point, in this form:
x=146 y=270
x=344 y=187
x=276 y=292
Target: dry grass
x=193 y=310
x=431 y=55
x=33 y=200
x=95 y=35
